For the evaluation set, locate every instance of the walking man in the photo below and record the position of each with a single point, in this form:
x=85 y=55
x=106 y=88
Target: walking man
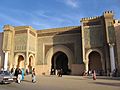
x=94 y=75
x=19 y=75
x=33 y=76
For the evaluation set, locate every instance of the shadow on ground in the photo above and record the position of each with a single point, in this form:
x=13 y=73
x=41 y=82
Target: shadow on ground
x=27 y=81
x=104 y=77
x=107 y=84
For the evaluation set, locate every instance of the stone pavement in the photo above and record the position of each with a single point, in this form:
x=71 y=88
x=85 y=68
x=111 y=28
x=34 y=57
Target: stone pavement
x=65 y=83
x=78 y=82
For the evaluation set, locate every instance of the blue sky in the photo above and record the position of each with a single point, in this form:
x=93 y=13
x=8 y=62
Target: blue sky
x=43 y=14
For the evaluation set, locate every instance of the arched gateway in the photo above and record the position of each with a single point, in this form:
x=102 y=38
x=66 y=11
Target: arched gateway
x=59 y=56
x=31 y=63
x=19 y=60
x=95 y=62
x=60 y=61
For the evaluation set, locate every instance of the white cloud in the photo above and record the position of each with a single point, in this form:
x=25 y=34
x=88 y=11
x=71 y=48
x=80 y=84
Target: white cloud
x=38 y=19
x=46 y=15
x=72 y=3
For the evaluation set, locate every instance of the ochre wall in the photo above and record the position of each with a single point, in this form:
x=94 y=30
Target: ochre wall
x=1 y=52
x=117 y=33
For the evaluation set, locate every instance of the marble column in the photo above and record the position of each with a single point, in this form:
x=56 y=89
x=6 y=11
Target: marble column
x=6 y=61
x=112 y=57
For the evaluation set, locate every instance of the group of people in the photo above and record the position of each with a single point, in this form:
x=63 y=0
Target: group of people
x=59 y=72
x=56 y=72
x=20 y=73
x=92 y=72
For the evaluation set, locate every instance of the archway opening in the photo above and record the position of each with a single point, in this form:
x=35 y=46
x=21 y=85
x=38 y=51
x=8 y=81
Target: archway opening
x=95 y=62
x=60 y=61
x=30 y=65
x=20 y=61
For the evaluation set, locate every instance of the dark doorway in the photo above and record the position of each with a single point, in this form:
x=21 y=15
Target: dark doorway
x=60 y=61
x=20 y=61
x=95 y=62
x=30 y=64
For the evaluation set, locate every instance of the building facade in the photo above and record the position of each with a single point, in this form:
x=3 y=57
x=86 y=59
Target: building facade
x=92 y=46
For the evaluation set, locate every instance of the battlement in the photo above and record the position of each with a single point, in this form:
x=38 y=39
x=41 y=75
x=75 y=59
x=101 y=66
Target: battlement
x=90 y=18
x=116 y=22
x=108 y=12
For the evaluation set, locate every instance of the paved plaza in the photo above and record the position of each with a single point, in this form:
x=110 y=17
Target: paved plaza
x=65 y=83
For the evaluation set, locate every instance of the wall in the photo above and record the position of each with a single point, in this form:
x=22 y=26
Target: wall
x=70 y=38
x=72 y=41
x=1 y=52
x=117 y=33
x=77 y=69
x=20 y=42
x=32 y=41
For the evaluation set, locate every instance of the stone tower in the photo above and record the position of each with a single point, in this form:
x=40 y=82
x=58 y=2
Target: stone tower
x=7 y=48
x=98 y=38
x=110 y=36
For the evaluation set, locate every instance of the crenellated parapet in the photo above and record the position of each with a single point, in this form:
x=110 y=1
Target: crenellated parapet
x=90 y=18
x=91 y=21
x=108 y=13
x=116 y=23
x=109 y=26
x=105 y=14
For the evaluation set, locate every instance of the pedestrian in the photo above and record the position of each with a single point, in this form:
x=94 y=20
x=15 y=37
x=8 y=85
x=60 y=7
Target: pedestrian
x=33 y=76
x=19 y=76
x=52 y=71
x=12 y=71
x=85 y=73
x=58 y=72
x=22 y=74
x=16 y=72
x=94 y=75
x=27 y=72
